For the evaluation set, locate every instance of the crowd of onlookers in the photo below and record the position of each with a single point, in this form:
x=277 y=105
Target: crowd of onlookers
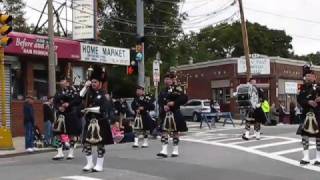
x=118 y=113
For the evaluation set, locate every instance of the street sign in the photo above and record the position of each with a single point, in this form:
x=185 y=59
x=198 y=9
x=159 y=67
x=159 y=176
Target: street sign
x=156 y=72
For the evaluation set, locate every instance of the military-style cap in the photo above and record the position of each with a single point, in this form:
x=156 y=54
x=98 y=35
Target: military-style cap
x=306 y=69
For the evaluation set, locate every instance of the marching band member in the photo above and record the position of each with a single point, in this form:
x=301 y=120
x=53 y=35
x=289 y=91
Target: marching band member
x=172 y=121
x=141 y=105
x=97 y=128
x=67 y=102
x=309 y=100
x=255 y=112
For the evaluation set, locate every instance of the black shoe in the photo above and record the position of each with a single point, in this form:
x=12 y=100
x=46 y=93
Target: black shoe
x=94 y=170
x=86 y=170
x=70 y=158
x=245 y=138
x=134 y=146
x=303 y=162
x=162 y=155
x=57 y=158
x=316 y=163
x=174 y=155
x=144 y=146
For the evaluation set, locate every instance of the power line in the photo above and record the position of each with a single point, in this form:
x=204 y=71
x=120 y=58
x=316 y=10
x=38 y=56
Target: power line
x=126 y=21
x=224 y=7
x=115 y=31
x=284 y=16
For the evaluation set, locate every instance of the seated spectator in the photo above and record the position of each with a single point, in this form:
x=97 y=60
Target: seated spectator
x=122 y=135
x=38 y=138
x=117 y=133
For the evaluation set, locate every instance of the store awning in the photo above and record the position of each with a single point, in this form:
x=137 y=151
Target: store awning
x=36 y=45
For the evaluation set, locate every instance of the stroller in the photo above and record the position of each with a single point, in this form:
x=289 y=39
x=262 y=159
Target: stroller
x=38 y=138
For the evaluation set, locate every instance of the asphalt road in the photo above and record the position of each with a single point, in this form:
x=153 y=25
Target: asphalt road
x=217 y=154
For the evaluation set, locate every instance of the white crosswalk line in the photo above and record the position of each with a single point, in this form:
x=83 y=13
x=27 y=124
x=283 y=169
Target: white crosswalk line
x=243 y=142
x=79 y=178
x=273 y=144
x=229 y=139
x=288 y=151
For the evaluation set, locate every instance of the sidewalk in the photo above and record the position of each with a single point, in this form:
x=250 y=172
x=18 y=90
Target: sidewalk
x=18 y=144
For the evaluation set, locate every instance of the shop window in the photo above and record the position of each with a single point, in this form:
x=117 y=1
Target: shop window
x=40 y=81
x=17 y=81
x=221 y=95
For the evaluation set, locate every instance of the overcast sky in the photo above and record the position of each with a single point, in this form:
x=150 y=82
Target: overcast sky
x=299 y=18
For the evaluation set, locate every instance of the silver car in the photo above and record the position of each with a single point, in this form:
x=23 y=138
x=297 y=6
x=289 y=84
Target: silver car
x=194 y=107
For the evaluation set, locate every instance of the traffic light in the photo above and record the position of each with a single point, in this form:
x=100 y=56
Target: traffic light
x=5 y=29
x=133 y=67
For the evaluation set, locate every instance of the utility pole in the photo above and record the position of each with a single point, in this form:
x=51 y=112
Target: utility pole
x=156 y=79
x=51 y=60
x=245 y=41
x=140 y=34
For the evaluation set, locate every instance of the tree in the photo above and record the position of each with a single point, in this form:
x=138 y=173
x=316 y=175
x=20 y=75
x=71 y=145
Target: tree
x=117 y=22
x=15 y=8
x=225 y=40
x=314 y=58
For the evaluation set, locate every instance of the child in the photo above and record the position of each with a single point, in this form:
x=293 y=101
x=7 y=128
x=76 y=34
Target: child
x=117 y=133
x=38 y=138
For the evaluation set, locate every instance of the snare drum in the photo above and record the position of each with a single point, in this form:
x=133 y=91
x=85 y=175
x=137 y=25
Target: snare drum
x=247 y=96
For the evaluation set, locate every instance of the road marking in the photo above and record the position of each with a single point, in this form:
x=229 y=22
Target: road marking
x=257 y=152
x=273 y=144
x=230 y=139
x=79 y=178
x=288 y=151
x=243 y=142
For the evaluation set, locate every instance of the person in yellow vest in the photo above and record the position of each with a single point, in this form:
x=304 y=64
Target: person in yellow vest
x=266 y=109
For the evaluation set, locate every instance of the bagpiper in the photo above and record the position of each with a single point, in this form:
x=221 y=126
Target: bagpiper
x=67 y=103
x=309 y=100
x=256 y=116
x=172 y=121
x=142 y=105
x=97 y=127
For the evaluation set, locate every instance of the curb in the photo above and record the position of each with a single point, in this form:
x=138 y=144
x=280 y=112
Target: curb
x=26 y=153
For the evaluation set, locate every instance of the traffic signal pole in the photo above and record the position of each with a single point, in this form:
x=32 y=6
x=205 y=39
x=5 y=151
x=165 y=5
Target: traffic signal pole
x=140 y=33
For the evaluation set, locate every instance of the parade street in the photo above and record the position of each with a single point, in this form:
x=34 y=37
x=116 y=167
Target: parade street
x=218 y=154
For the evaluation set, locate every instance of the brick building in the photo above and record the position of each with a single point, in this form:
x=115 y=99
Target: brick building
x=26 y=71
x=218 y=79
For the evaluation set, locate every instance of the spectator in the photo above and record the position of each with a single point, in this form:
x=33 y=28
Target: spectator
x=122 y=135
x=274 y=116
x=117 y=133
x=298 y=113
x=48 y=117
x=28 y=113
x=292 y=112
x=109 y=107
x=282 y=112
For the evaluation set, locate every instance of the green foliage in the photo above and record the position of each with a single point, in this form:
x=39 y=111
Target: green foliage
x=225 y=40
x=15 y=8
x=120 y=15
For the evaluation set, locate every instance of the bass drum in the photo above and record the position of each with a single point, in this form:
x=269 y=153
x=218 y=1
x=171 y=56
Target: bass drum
x=247 y=96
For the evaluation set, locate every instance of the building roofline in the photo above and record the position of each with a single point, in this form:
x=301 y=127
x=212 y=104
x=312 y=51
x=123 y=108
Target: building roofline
x=273 y=59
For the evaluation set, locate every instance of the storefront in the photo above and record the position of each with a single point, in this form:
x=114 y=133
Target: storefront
x=218 y=79
x=27 y=64
x=27 y=70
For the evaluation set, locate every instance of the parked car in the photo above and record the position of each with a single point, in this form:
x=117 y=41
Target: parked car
x=194 y=107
